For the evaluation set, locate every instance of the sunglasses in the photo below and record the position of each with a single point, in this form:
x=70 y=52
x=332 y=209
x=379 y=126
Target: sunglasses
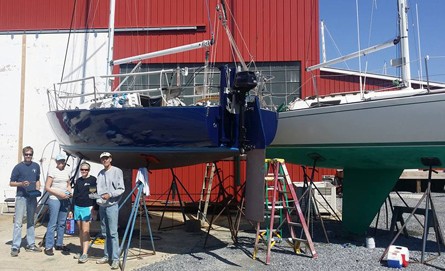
x=84 y=169
x=28 y=154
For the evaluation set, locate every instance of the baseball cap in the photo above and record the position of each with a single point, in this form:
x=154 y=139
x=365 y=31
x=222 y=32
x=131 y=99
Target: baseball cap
x=105 y=154
x=60 y=156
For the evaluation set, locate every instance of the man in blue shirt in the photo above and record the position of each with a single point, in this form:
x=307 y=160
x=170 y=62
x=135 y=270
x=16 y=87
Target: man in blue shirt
x=26 y=177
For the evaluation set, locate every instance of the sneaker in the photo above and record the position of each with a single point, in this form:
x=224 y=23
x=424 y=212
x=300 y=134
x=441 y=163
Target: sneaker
x=83 y=258
x=102 y=260
x=33 y=248
x=49 y=252
x=15 y=252
x=77 y=256
x=62 y=248
x=115 y=264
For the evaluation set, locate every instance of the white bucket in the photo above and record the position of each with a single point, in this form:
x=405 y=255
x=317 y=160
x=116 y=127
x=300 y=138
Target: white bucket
x=370 y=243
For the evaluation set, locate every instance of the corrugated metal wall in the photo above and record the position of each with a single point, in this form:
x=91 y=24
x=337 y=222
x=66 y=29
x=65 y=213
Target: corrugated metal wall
x=331 y=82
x=265 y=30
x=192 y=177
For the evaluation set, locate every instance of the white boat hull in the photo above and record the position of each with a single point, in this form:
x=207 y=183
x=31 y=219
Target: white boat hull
x=392 y=127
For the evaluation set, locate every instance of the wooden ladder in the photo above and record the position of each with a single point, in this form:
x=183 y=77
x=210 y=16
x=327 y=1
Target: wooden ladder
x=281 y=204
x=203 y=206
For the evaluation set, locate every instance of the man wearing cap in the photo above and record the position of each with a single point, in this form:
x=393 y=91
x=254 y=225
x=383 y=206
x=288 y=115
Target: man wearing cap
x=26 y=177
x=110 y=186
x=58 y=186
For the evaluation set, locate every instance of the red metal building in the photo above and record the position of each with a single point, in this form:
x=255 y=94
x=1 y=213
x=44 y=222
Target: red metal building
x=282 y=37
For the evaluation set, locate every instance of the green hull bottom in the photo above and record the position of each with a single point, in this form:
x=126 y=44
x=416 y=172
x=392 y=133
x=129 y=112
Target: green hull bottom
x=370 y=173
x=364 y=191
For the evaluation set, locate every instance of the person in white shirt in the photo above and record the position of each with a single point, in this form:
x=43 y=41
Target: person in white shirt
x=58 y=186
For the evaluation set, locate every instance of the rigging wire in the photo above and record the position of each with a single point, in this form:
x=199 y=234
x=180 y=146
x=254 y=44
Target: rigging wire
x=239 y=32
x=69 y=37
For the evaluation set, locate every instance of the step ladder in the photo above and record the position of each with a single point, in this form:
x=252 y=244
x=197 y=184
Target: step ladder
x=204 y=199
x=282 y=205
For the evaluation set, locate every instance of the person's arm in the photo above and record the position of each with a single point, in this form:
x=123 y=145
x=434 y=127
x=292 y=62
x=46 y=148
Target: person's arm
x=55 y=192
x=118 y=184
x=68 y=187
x=19 y=184
x=15 y=176
x=38 y=185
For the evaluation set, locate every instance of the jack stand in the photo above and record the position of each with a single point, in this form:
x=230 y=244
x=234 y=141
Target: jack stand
x=430 y=162
x=173 y=192
x=132 y=219
x=310 y=200
x=386 y=203
x=225 y=203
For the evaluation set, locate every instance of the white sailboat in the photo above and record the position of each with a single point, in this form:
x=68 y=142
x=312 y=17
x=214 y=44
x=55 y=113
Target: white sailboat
x=373 y=136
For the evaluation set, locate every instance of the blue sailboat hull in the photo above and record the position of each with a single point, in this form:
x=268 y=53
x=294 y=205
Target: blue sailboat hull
x=159 y=137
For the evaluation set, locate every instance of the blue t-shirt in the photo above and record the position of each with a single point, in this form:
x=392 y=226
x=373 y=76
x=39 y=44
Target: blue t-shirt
x=26 y=172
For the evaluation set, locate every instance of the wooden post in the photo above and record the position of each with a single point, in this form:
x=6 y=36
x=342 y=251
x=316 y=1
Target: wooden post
x=22 y=100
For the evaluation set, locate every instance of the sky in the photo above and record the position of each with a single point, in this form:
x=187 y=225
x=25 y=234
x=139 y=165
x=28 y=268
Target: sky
x=378 y=24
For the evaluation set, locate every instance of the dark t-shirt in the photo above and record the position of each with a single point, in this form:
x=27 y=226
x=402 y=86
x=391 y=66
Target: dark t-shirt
x=25 y=172
x=81 y=191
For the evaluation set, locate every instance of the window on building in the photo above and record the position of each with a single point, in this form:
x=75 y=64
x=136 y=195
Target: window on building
x=283 y=80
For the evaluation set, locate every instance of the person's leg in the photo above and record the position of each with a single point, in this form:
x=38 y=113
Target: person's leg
x=84 y=232
x=104 y=229
x=31 y=206
x=113 y=215
x=54 y=207
x=85 y=236
x=20 y=208
x=79 y=226
x=61 y=221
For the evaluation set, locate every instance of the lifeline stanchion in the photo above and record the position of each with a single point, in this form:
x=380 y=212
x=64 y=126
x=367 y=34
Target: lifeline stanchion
x=132 y=219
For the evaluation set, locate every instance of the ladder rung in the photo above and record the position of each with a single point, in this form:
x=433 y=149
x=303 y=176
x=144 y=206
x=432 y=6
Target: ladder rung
x=294 y=224
x=298 y=239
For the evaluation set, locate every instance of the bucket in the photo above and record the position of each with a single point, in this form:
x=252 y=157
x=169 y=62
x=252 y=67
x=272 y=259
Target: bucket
x=69 y=228
x=370 y=243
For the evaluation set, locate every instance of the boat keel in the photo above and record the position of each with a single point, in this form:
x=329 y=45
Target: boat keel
x=364 y=191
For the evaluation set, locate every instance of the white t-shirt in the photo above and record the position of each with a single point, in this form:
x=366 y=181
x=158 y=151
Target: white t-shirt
x=60 y=179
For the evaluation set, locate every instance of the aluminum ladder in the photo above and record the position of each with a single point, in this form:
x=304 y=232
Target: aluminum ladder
x=203 y=206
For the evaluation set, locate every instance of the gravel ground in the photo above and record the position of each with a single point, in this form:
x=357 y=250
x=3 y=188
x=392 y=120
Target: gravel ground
x=339 y=254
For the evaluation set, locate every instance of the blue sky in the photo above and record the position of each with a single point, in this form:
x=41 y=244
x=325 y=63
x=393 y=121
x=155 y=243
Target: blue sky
x=340 y=17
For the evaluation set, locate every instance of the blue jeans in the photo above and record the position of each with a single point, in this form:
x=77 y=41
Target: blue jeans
x=58 y=210
x=108 y=224
x=29 y=206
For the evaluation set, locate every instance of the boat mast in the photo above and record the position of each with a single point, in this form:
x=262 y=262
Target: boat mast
x=323 y=44
x=404 y=45
x=110 y=42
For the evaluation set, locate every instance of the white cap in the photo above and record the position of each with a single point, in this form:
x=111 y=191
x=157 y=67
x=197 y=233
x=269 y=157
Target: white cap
x=105 y=154
x=60 y=156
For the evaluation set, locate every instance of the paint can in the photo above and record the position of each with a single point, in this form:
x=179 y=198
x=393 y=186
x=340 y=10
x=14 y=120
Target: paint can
x=370 y=243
